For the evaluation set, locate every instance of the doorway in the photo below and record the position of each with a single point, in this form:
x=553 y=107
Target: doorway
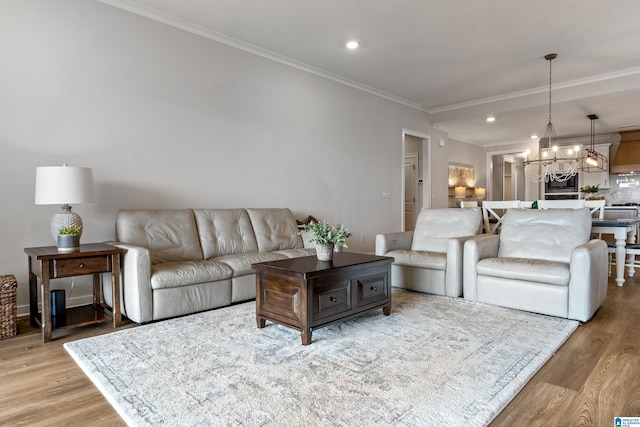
x=509 y=179
x=506 y=177
x=410 y=190
x=415 y=177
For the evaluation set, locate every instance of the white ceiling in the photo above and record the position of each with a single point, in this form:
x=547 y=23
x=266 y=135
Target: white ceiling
x=458 y=60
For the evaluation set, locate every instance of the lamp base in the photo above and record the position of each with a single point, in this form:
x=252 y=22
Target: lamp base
x=64 y=218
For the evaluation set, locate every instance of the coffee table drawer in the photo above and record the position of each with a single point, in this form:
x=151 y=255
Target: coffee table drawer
x=372 y=289
x=331 y=299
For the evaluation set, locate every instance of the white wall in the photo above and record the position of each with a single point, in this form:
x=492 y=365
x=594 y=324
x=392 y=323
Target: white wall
x=168 y=119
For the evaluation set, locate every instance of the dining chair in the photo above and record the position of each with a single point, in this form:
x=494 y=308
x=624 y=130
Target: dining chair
x=526 y=204
x=596 y=206
x=561 y=204
x=493 y=211
x=469 y=204
x=632 y=249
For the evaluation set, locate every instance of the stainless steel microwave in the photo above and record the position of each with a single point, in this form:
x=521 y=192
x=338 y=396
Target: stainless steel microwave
x=568 y=186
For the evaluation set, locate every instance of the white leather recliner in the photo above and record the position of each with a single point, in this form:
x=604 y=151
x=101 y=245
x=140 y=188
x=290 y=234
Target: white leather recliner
x=429 y=259
x=542 y=261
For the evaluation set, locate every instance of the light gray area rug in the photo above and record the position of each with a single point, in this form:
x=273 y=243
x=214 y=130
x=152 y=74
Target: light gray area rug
x=434 y=361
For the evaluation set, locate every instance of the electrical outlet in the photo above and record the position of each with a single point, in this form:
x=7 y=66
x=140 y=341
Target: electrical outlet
x=362 y=238
x=386 y=194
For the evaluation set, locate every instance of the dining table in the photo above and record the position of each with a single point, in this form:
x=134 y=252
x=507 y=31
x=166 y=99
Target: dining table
x=624 y=231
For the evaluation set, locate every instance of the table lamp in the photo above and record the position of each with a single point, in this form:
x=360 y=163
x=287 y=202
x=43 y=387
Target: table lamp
x=64 y=185
x=460 y=192
x=480 y=192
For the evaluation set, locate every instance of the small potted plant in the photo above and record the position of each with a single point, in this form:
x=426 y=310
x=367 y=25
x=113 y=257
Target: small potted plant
x=69 y=238
x=590 y=191
x=326 y=237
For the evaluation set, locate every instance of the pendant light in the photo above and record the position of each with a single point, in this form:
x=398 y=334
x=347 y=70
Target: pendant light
x=594 y=161
x=553 y=163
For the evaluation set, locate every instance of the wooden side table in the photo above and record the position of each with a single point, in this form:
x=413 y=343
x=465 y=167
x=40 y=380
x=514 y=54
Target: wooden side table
x=47 y=263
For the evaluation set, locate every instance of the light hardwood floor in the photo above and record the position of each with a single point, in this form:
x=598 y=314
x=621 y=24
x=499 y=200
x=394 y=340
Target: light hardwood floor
x=593 y=377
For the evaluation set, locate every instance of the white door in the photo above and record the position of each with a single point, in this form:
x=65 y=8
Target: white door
x=508 y=181
x=410 y=191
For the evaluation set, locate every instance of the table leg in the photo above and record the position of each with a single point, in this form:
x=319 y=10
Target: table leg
x=306 y=336
x=260 y=322
x=621 y=252
x=46 y=304
x=115 y=287
x=631 y=258
x=33 y=297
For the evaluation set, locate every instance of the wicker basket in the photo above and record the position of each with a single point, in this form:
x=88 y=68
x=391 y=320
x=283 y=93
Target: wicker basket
x=8 y=307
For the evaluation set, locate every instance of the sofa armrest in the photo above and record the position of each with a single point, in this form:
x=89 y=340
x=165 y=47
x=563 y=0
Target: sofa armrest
x=588 y=283
x=135 y=282
x=454 y=269
x=391 y=241
x=476 y=248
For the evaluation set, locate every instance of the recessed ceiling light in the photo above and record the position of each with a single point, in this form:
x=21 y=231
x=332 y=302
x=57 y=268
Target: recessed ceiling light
x=491 y=119
x=534 y=136
x=352 y=44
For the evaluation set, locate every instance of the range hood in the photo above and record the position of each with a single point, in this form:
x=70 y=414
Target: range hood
x=627 y=159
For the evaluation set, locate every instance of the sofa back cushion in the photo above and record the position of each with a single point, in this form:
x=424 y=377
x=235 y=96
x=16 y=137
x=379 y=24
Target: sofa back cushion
x=225 y=232
x=275 y=229
x=435 y=227
x=170 y=235
x=548 y=234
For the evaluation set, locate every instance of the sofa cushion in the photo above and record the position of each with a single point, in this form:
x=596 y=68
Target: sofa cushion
x=549 y=234
x=241 y=263
x=275 y=229
x=531 y=270
x=170 y=235
x=434 y=227
x=423 y=259
x=174 y=274
x=296 y=253
x=225 y=232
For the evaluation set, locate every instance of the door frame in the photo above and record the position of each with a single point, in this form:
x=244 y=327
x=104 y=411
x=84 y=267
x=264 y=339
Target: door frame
x=531 y=189
x=416 y=163
x=424 y=177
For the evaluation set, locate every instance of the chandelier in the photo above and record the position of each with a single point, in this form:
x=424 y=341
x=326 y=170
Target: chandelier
x=554 y=163
x=593 y=161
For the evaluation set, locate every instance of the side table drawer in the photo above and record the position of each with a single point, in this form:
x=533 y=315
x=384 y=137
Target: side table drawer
x=80 y=266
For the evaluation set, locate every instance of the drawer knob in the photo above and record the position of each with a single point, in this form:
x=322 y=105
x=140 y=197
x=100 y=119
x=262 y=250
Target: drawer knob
x=374 y=289
x=82 y=265
x=333 y=299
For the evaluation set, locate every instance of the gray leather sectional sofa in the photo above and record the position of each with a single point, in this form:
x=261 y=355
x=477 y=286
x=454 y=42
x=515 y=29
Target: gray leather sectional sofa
x=178 y=262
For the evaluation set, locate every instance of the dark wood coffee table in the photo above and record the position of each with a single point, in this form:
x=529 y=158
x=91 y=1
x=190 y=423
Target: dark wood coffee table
x=305 y=294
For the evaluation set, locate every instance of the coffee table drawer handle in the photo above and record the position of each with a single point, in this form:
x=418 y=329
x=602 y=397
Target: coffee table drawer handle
x=333 y=299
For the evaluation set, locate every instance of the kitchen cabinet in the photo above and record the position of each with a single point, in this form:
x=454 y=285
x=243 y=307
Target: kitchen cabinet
x=598 y=178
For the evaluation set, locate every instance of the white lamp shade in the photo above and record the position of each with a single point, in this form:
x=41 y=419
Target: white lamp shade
x=61 y=185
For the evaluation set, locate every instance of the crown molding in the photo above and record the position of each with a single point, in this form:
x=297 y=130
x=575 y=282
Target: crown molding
x=585 y=140
x=201 y=31
x=535 y=91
